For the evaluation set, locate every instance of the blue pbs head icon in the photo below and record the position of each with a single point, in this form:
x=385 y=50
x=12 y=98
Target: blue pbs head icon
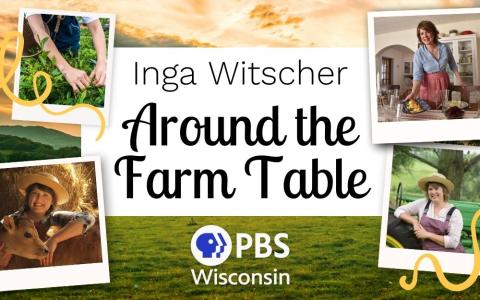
x=211 y=245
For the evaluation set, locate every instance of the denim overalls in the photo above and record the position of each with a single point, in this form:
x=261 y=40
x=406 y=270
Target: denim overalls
x=68 y=35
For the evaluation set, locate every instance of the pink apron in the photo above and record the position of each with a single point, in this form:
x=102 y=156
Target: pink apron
x=432 y=87
x=437 y=227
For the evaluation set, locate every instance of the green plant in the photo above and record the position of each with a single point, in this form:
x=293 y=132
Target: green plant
x=61 y=91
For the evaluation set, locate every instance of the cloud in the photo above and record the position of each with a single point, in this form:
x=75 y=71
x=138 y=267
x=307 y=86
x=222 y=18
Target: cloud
x=7 y=23
x=238 y=23
x=268 y=17
x=131 y=36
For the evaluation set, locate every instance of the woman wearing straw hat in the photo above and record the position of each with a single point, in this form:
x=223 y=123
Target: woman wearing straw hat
x=440 y=224
x=43 y=193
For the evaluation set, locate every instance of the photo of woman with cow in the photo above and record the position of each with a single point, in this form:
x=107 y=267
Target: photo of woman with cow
x=60 y=202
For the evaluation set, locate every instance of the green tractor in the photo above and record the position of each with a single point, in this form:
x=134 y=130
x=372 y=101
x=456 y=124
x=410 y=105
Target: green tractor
x=400 y=234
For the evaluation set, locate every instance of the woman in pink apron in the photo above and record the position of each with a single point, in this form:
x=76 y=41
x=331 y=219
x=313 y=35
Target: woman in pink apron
x=430 y=61
x=440 y=224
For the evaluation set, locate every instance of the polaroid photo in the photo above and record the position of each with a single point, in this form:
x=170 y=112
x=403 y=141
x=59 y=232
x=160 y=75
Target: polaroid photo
x=41 y=201
x=76 y=50
x=431 y=195
x=424 y=75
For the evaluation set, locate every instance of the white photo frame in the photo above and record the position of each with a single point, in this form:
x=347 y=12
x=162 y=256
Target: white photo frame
x=419 y=130
x=80 y=116
x=396 y=258
x=68 y=275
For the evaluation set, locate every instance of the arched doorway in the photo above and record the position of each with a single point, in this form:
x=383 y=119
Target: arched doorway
x=393 y=65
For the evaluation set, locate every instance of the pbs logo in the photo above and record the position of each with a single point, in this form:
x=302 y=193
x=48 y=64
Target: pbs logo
x=211 y=245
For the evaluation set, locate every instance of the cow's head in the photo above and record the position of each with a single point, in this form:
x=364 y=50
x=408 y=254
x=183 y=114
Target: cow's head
x=21 y=238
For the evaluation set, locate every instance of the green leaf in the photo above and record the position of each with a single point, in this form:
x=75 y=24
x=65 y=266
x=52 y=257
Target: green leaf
x=56 y=72
x=42 y=59
x=43 y=42
x=82 y=96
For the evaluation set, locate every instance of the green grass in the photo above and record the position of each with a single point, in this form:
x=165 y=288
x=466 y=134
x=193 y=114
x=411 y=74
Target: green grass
x=330 y=257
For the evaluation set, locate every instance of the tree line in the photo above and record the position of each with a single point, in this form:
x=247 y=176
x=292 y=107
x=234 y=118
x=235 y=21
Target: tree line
x=14 y=149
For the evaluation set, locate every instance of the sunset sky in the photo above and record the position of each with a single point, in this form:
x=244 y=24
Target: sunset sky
x=235 y=23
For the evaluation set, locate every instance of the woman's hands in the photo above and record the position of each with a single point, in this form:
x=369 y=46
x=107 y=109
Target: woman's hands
x=459 y=79
x=78 y=79
x=70 y=230
x=99 y=74
x=51 y=243
x=423 y=234
x=418 y=229
x=420 y=232
x=410 y=96
x=415 y=90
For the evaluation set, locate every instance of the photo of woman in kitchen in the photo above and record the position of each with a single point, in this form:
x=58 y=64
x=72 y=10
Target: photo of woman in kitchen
x=424 y=66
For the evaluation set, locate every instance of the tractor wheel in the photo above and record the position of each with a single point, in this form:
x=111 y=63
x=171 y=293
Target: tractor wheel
x=400 y=234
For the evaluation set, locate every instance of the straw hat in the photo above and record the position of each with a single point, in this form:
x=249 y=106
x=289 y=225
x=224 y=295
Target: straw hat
x=47 y=180
x=438 y=178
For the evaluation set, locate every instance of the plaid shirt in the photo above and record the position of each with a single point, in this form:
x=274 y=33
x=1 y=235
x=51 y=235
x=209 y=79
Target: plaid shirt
x=62 y=218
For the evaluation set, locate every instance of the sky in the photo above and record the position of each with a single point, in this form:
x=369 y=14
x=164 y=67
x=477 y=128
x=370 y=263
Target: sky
x=234 y=23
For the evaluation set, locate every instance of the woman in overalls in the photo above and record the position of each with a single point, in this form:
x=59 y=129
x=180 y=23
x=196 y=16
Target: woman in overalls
x=64 y=36
x=440 y=224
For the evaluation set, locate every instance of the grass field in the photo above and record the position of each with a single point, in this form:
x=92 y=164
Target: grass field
x=330 y=257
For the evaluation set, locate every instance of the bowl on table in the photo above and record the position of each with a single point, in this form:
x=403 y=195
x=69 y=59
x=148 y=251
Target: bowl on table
x=454 y=112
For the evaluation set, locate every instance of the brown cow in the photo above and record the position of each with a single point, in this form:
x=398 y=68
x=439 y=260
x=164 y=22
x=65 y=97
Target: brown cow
x=21 y=238
x=81 y=249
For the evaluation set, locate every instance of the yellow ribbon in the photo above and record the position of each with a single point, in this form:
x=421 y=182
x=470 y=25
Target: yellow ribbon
x=48 y=88
x=438 y=268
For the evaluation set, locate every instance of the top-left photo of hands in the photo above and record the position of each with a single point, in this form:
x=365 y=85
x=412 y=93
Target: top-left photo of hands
x=75 y=50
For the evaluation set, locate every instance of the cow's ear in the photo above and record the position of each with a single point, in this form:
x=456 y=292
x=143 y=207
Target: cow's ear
x=9 y=223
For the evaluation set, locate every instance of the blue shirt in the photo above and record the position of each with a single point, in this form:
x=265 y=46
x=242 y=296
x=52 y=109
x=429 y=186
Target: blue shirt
x=425 y=62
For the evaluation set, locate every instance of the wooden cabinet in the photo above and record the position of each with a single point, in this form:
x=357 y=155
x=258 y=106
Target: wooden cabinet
x=464 y=49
